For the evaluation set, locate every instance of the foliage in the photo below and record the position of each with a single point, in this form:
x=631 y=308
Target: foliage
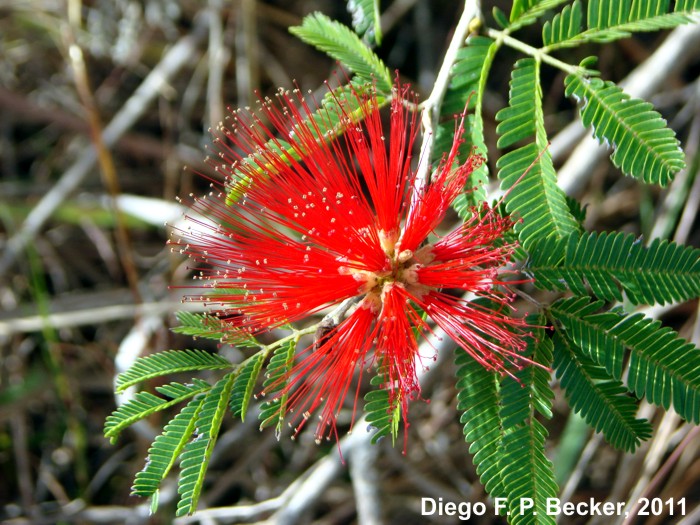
x=600 y=399
x=169 y=362
x=609 y=20
x=274 y=410
x=341 y=43
x=380 y=413
x=467 y=85
x=506 y=438
x=642 y=145
x=366 y=19
x=604 y=357
x=662 y=366
x=197 y=452
x=539 y=201
x=609 y=263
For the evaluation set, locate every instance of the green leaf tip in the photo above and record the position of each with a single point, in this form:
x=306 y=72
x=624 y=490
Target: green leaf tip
x=643 y=147
x=341 y=43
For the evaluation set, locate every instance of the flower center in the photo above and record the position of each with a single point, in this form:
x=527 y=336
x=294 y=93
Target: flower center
x=403 y=269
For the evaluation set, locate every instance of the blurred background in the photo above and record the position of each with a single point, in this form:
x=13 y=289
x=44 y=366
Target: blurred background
x=102 y=105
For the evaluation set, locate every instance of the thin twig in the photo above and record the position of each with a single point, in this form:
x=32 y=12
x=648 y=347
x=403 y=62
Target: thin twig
x=678 y=209
x=692 y=199
x=430 y=108
x=394 y=13
x=20 y=443
x=179 y=56
x=91 y=316
x=584 y=460
x=365 y=481
x=218 y=58
x=106 y=163
x=133 y=144
x=538 y=54
x=247 y=80
x=661 y=474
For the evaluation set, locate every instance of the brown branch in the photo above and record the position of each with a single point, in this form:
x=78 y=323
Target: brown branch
x=106 y=163
x=180 y=55
x=133 y=144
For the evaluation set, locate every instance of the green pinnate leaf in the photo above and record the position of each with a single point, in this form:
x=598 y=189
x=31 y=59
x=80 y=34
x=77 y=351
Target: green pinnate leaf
x=208 y=326
x=244 y=384
x=273 y=411
x=169 y=362
x=366 y=19
x=609 y=20
x=610 y=263
x=643 y=147
x=525 y=12
x=197 y=453
x=527 y=473
x=528 y=170
x=564 y=26
x=166 y=448
x=526 y=470
x=534 y=392
x=466 y=76
x=662 y=366
x=479 y=398
x=342 y=44
x=603 y=402
x=687 y=6
x=145 y=404
x=500 y=17
x=200 y=325
x=380 y=413
x=570 y=314
x=603 y=14
x=467 y=84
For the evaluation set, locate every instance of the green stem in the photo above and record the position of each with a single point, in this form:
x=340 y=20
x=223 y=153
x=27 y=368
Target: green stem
x=296 y=335
x=537 y=54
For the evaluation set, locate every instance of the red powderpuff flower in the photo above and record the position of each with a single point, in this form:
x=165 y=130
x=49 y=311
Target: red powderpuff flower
x=316 y=222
